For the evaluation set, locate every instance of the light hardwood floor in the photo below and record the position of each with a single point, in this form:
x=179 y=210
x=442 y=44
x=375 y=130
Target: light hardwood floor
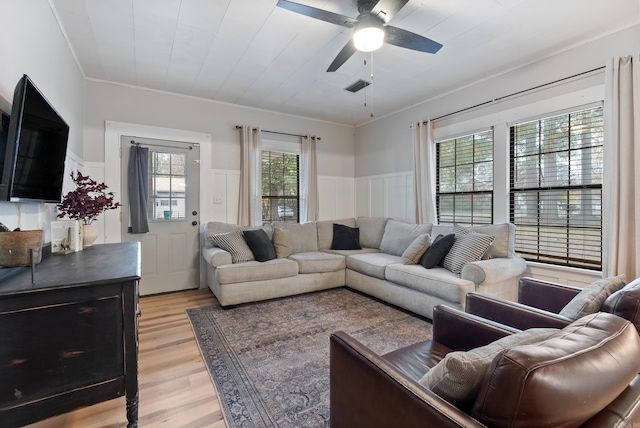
x=175 y=387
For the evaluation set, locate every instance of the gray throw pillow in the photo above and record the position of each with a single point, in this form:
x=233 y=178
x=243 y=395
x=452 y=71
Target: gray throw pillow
x=591 y=298
x=234 y=243
x=458 y=377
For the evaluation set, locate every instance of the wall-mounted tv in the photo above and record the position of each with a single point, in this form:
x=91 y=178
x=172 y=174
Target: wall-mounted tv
x=35 y=148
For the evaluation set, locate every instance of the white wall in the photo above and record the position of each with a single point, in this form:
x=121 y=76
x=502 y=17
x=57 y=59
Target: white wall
x=335 y=150
x=32 y=43
x=384 y=147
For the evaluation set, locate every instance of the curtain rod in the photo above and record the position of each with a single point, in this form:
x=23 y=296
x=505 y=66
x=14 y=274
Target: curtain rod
x=133 y=143
x=282 y=133
x=517 y=93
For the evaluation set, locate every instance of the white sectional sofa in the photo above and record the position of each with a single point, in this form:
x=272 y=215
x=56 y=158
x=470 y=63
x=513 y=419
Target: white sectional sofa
x=307 y=263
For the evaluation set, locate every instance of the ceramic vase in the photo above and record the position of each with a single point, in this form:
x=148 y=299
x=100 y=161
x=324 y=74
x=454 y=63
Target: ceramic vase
x=89 y=235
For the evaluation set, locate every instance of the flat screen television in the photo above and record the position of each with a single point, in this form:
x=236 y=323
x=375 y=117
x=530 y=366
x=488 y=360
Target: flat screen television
x=35 y=148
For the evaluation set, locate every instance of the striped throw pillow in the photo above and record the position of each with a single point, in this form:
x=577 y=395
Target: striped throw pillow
x=234 y=243
x=469 y=247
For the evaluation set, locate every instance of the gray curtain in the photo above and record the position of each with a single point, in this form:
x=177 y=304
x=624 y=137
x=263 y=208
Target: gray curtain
x=138 y=187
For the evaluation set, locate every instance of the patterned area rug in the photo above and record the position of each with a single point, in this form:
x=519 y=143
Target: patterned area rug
x=270 y=360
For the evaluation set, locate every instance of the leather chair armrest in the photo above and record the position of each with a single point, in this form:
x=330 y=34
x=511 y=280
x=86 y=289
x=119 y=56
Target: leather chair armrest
x=462 y=331
x=546 y=295
x=511 y=313
x=366 y=391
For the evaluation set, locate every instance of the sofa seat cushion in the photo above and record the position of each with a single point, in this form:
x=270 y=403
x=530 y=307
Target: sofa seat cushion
x=417 y=359
x=318 y=262
x=438 y=282
x=347 y=253
x=372 y=264
x=256 y=271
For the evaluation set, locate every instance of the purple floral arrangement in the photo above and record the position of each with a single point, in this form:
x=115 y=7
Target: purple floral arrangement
x=87 y=201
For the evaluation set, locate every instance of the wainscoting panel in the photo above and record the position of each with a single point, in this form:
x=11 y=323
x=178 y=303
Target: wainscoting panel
x=363 y=204
x=336 y=195
x=388 y=195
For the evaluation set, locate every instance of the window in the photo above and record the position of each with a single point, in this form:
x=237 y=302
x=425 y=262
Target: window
x=280 y=186
x=464 y=183
x=167 y=185
x=556 y=188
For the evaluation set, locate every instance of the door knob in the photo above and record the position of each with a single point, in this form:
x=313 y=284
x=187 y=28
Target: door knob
x=194 y=223
x=194 y=212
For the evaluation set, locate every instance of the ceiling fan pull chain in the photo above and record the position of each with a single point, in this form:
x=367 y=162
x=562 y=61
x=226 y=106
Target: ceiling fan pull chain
x=364 y=55
x=371 y=83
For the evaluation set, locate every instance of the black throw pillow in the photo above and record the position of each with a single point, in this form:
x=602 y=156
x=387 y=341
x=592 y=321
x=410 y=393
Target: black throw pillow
x=437 y=250
x=260 y=244
x=345 y=238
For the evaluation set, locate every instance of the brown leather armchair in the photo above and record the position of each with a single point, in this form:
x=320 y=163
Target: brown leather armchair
x=539 y=304
x=584 y=375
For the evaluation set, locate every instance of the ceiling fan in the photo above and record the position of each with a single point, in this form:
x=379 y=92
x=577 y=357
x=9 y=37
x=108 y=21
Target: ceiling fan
x=370 y=28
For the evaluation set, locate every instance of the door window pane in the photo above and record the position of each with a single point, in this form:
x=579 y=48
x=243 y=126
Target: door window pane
x=167 y=185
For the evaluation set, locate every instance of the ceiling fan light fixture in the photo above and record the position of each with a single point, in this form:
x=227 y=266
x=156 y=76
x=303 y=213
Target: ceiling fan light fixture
x=368 y=35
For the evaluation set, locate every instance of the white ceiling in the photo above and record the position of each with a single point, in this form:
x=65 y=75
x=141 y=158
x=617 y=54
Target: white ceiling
x=252 y=53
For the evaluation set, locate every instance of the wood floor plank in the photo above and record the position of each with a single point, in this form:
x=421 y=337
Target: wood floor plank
x=175 y=386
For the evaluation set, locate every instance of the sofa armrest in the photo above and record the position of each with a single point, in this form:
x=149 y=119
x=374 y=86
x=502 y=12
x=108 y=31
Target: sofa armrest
x=511 y=313
x=367 y=391
x=493 y=270
x=546 y=295
x=216 y=256
x=462 y=331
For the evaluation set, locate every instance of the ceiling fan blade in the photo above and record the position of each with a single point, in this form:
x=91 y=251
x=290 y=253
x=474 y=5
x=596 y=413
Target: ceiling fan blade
x=386 y=9
x=312 y=12
x=347 y=51
x=406 y=39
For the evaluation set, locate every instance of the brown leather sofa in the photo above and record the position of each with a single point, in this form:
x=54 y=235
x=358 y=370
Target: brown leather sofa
x=539 y=304
x=585 y=375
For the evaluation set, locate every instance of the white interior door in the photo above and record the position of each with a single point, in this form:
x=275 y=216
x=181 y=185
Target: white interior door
x=170 y=249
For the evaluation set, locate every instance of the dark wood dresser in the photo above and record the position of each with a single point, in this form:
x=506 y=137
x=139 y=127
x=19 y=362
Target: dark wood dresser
x=69 y=339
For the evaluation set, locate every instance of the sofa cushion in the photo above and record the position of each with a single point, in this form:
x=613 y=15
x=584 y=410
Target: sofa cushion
x=260 y=244
x=256 y=271
x=504 y=242
x=325 y=231
x=234 y=243
x=371 y=231
x=304 y=235
x=458 y=377
x=625 y=303
x=398 y=236
x=214 y=228
x=437 y=282
x=372 y=264
x=318 y=262
x=347 y=253
x=468 y=247
x=438 y=249
x=282 y=242
x=345 y=238
x=416 y=249
x=563 y=380
x=591 y=298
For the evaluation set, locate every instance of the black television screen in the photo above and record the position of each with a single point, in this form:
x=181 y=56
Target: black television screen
x=36 y=148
